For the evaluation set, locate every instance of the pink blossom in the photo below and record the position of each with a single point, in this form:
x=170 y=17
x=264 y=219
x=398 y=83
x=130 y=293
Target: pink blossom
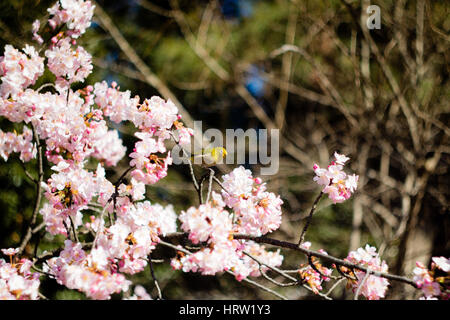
x=117 y=105
x=340 y=158
x=256 y=211
x=139 y=294
x=19 y=70
x=321 y=177
x=206 y=223
x=268 y=258
x=54 y=220
x=442 y=263
x=431 y=289
x=23 y=144
x=336 y=183
x=108 y=146
x=35 y=29
x=68 y=65
x=76 y=14
x=351 y=182
x=430 y=281
x=209 y=261
x=239 y=182
x=312 y=278
x=152 y=169
x=10 y=251
x=421 y=275
x=16 y=280
x=155 y=113
x=306 y=245
x=373 y=287
x=88 y=273
x=184 y=134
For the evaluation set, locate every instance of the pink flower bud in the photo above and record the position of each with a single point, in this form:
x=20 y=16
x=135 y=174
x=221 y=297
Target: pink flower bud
x=52 y=23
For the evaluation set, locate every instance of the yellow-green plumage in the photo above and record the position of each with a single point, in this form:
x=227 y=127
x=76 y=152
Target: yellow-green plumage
x=209 y=157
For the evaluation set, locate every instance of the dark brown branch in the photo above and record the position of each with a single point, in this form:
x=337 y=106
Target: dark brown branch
x=331 y=259
x=308 y=222
x=152 y=272
x=294 y=246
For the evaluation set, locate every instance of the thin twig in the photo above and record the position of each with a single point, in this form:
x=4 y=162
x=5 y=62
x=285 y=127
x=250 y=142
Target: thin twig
x=221 y=185
x=334 y=286
x=275 y=269
x=27 y=173
x=308 y=222
x=200 y=191
x=290 y=284
x=75 y=235
x=45 y=85
x=361 y=285
x=191 y=169
x=42 y=296
x=260 y=286
x=211 y=176
x=150 y=262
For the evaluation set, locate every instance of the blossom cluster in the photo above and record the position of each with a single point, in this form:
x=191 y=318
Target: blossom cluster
x=19 y=70
x=17 y=282
x=76 y=15
x=372 y=287
x=434 y=283
x=88 y=273
x=336 y=183
x=157 y=120
x=230 y=256
x=72 y=126
x=20 y=143
x=314 y=276
x=120 y=248
x=69 y=191
x=69 y=136
x=68 y=64
x=254 y=211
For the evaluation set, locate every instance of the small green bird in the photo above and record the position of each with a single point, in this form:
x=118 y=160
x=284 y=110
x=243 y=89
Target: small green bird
x=209 y=157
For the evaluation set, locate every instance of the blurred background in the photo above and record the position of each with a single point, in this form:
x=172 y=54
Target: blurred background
x=309 y=68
